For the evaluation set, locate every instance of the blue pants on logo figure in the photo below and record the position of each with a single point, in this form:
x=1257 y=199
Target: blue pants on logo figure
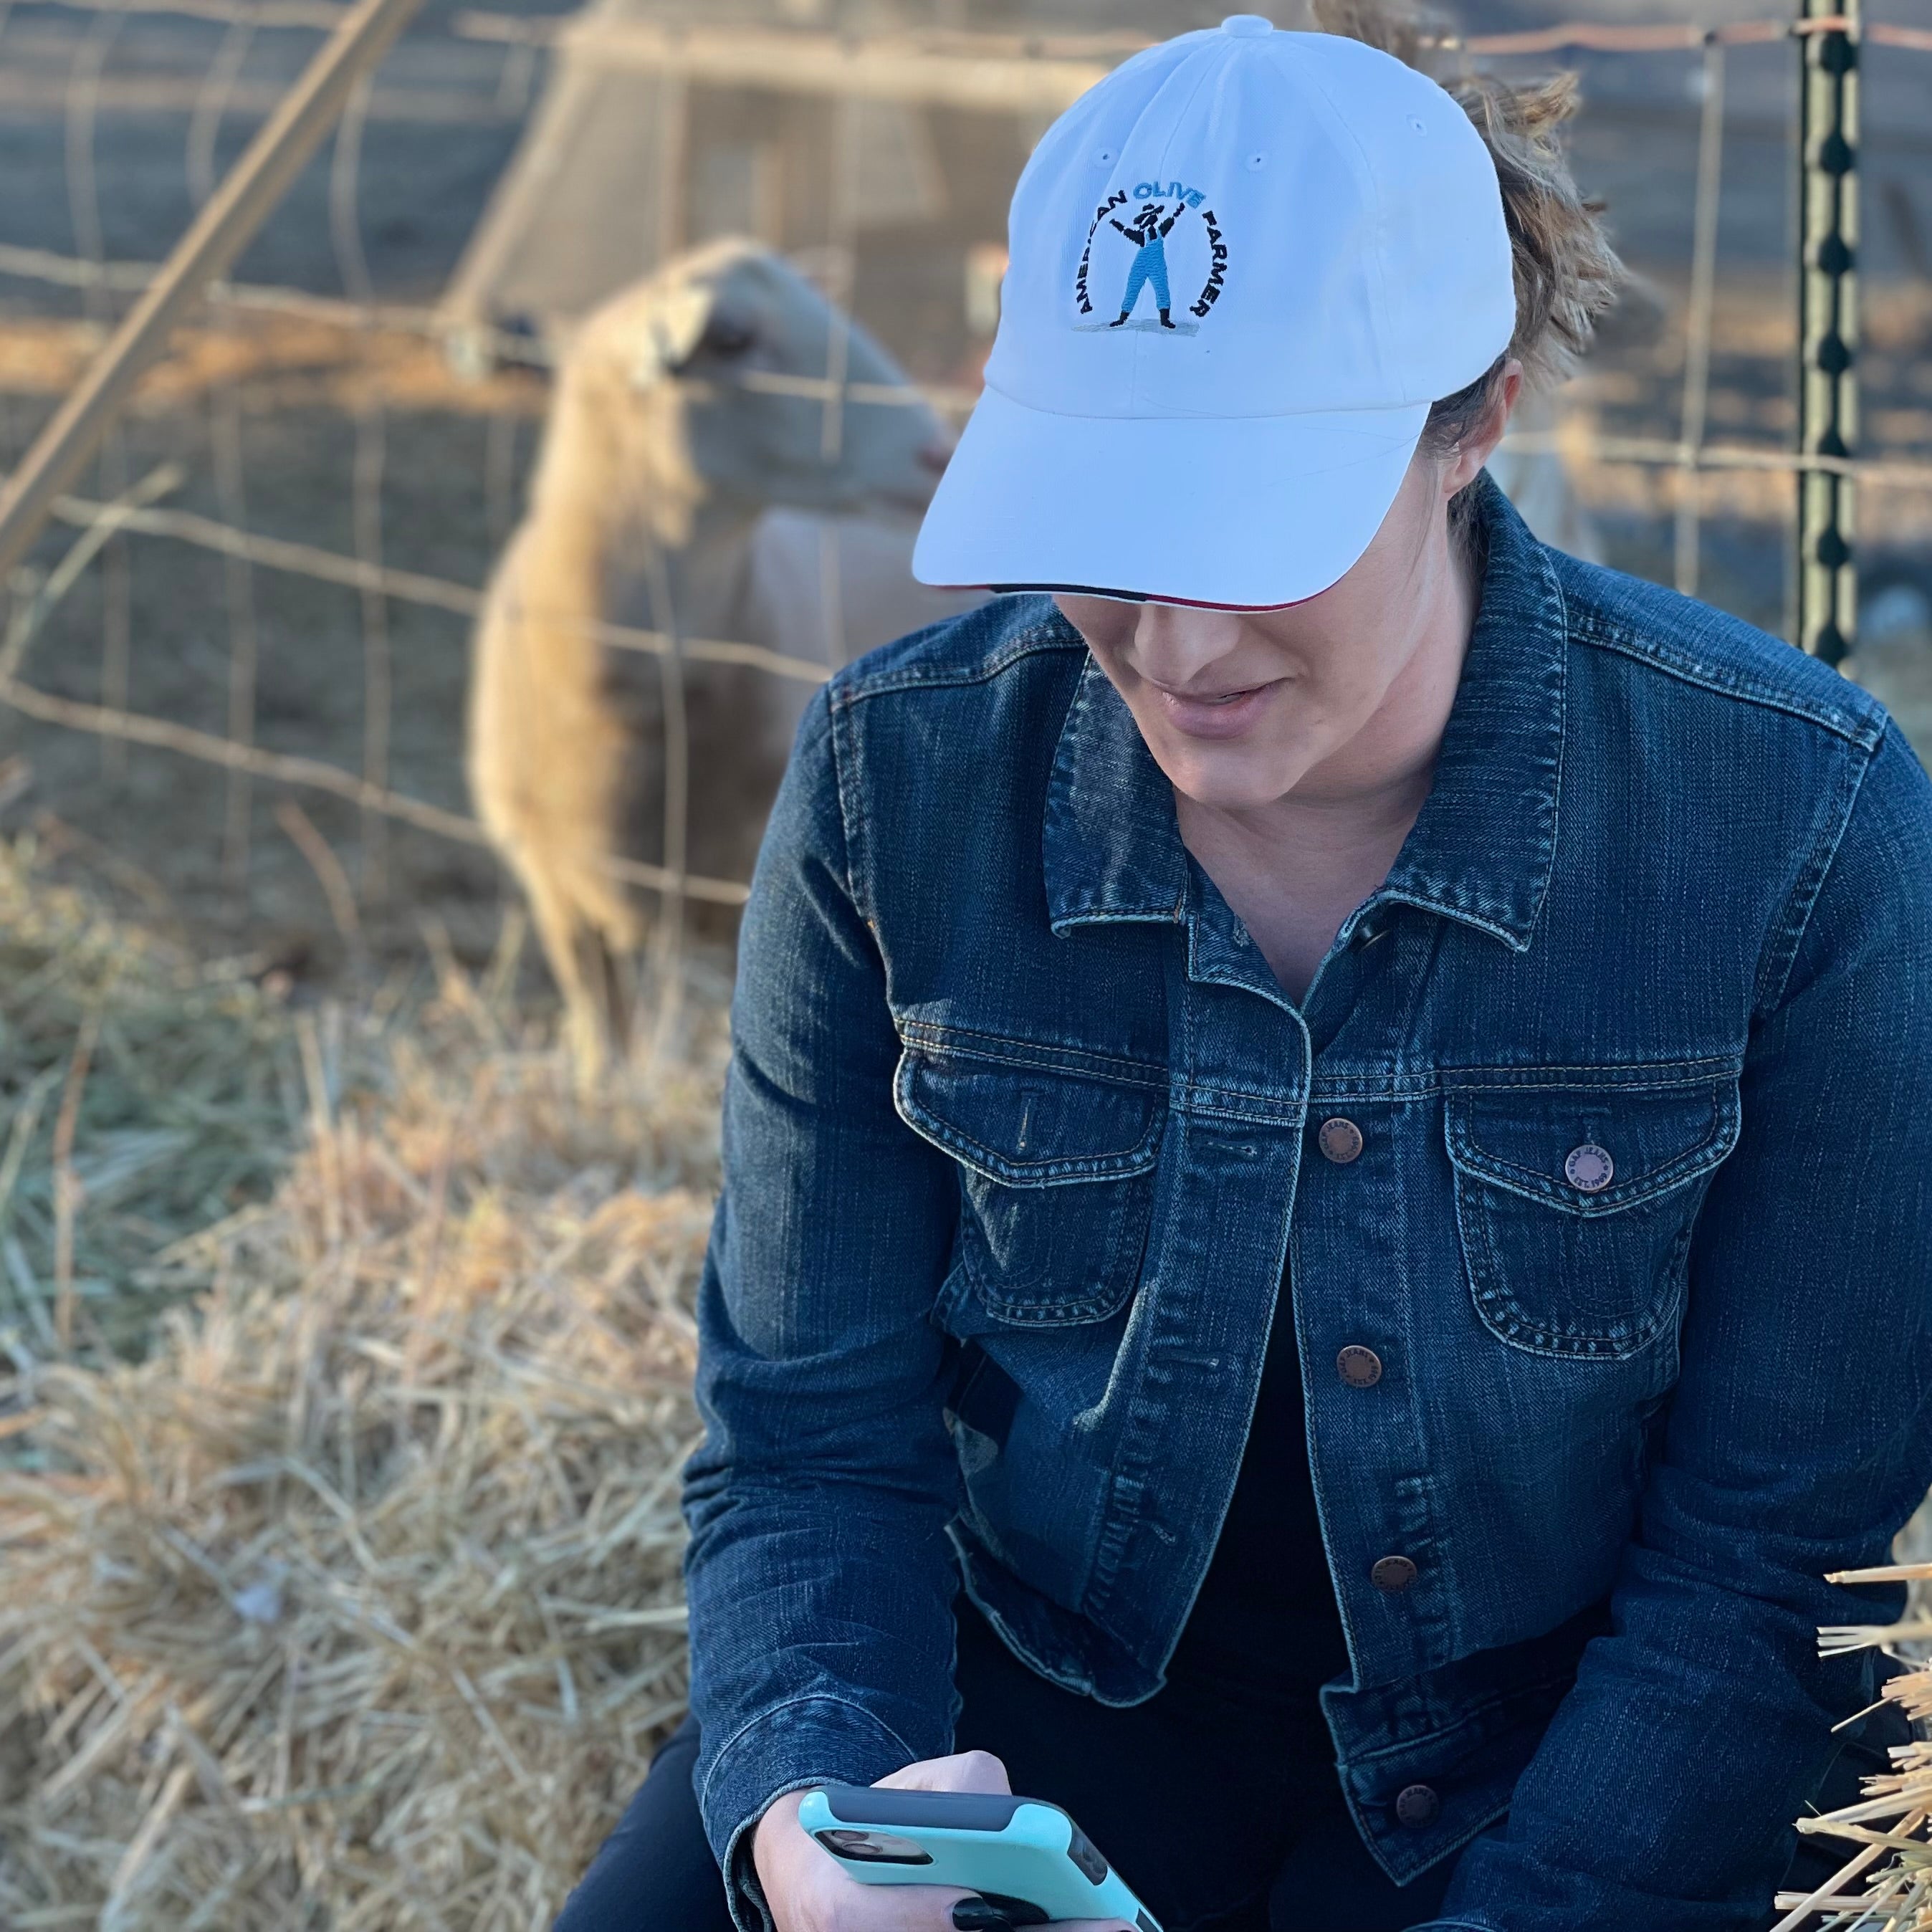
x=1150 y=265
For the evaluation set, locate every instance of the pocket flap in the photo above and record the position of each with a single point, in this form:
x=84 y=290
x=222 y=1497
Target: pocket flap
x=1029 y=1126
x=1549 y=1144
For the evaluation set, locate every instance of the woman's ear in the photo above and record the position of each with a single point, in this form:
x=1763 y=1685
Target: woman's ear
x=1479 y=444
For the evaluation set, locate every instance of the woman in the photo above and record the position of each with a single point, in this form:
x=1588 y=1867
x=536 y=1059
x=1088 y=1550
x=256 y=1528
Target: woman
x=1331 y=1121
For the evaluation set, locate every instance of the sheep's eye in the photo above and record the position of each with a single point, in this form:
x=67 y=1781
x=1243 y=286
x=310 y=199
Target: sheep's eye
x=726 y=335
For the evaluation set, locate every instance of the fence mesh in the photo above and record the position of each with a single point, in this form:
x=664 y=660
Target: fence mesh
x=275 y=572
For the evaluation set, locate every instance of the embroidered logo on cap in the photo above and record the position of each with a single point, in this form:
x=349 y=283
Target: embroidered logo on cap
x=1127 y=250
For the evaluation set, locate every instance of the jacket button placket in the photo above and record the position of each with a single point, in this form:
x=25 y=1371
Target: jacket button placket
x=1361 y=1368
x=1417 y=1807
x=1392 y=1574
x=1341 y=1142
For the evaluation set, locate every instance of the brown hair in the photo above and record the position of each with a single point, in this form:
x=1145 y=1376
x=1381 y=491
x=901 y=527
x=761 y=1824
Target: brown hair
x=1566 y=273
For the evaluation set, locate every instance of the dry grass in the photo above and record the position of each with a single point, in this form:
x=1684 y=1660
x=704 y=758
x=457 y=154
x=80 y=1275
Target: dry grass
x=356 y=1604
x=143 y=1094
x=1885 y=1885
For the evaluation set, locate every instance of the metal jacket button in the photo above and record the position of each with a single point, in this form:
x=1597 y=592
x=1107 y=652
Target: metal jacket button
x=1392 y=1573
x=1590 y=1168
x=1340 y=1140
x=1359 y=1367
x=1417 y=1807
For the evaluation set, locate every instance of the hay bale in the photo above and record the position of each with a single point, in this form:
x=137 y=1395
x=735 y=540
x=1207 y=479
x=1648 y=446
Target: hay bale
x=1886 y=1885
x=358 y=1604
x=143 y=1094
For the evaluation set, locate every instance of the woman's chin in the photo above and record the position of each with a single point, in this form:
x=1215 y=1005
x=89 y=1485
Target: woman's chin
x=1233 y=777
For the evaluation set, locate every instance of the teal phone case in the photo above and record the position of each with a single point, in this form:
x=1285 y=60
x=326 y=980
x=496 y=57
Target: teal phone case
x=1017 y=1852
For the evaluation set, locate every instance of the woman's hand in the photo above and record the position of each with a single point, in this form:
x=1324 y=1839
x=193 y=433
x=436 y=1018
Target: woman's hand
x=808 y=1891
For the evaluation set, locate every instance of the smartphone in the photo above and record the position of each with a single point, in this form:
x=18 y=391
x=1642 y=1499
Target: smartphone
x=1025 y=1856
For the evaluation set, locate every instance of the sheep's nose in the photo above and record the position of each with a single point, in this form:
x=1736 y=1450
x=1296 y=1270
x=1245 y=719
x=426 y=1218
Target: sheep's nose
x=935 y=456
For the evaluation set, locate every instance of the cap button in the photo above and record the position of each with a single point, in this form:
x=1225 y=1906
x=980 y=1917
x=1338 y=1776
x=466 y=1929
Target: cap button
x=1247 y=26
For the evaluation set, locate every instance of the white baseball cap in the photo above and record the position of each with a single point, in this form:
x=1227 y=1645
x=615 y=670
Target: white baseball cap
x=1242 y=268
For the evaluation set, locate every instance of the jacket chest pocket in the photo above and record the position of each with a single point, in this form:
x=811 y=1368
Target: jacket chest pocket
x=1056 y=1180
x=1576 y=1207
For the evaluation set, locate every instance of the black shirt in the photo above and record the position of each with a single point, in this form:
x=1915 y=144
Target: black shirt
x=1264 y=1628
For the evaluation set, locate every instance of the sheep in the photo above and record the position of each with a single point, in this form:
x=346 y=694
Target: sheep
x=827 y=587
x=671 y=431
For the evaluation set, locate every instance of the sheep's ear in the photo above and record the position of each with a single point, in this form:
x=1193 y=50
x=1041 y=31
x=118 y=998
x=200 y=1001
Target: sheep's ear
x=674 y=330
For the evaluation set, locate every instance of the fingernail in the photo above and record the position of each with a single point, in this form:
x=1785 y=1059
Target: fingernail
x=977 y=1915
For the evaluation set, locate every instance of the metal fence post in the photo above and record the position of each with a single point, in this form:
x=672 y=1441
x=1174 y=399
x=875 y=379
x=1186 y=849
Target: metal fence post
x=1828 y=384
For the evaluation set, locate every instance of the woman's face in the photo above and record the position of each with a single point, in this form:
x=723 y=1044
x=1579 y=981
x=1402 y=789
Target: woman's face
x=1240 y=708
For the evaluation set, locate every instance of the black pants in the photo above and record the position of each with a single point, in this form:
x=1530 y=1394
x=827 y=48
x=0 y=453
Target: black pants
x=1174 y=1788
x=1223 y=1818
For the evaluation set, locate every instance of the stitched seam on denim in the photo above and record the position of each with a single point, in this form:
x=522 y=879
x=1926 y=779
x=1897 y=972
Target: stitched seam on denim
x=1512 y=1324
x=1033 y=1053
x=1286 y=1112
x=1397 y=1088
x=1404 y=1090
x=1116 y=1072
x=1065 y=1170
x=1469 y=1154
x=1115 y=1287
x=1594 y=629
x=1505 y=1317
x=1496 y=1701
x=1693 y=1070
x=1284 y=1108
x=961 y=1535
x=1795 y=917
x=1665 y=1181
x=1450 y=905
x=1121 y=1164
x=1137 y=1452
x=1150 y=915
x=739 y=1880
x=1029 y=643
x=1448 y=1851
x=766 y=1716
x=1553 y=585
x=851 y=812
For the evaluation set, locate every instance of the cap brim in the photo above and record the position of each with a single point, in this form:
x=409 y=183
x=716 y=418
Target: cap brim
x=1246 y=513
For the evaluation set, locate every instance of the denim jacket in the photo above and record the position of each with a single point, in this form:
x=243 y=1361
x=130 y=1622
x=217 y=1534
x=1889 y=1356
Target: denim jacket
x=1021 y=1134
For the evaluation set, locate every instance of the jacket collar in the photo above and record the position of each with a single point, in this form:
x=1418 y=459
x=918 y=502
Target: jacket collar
x=1481 y=850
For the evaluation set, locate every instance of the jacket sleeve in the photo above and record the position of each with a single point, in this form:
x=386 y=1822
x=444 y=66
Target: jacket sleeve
x=820 y=1578
x=1797 y=1442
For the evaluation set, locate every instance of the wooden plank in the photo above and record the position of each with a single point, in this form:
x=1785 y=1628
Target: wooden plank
x=952 y=71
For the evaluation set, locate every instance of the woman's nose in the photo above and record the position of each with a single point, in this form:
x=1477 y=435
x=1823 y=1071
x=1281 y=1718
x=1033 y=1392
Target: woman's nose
x=1173 y=644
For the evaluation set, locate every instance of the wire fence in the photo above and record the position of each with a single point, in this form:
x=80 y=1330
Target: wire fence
x=997 y=71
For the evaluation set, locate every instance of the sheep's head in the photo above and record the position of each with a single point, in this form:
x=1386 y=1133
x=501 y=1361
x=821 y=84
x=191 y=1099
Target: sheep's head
x=707 y=372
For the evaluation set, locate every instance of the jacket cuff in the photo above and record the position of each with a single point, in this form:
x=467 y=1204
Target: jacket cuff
x=816 y=1740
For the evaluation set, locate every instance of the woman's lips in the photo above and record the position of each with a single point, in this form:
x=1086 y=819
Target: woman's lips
x=1227 y=715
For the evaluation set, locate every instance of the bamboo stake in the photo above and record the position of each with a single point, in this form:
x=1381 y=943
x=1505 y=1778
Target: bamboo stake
x=1803 y=1905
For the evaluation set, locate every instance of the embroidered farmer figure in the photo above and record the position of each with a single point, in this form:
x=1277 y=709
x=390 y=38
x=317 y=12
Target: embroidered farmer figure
x=1149 y=235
